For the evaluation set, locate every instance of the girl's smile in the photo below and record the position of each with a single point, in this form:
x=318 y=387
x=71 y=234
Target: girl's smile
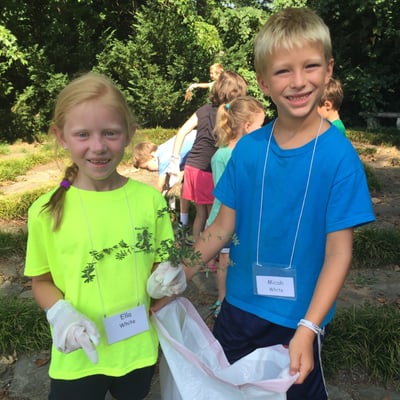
x=96 y=138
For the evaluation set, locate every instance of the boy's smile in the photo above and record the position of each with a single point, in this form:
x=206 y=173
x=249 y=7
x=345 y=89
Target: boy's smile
x=295 y=79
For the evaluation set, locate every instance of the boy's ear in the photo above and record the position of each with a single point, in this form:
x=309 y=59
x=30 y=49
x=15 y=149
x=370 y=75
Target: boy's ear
x=262 y=85
x=328 y=105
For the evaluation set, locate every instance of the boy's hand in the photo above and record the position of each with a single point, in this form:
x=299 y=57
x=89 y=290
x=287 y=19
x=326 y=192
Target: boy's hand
x=166 y=280
x=301 y=353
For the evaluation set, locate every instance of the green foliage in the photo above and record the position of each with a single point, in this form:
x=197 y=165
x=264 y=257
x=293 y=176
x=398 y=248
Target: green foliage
x=23 y=326
x=377 y=137
x=374 y=185
x=157 y=135
x=4 y=149
x=373 y=333
x=16 y=206
x=11 y=169
x=154 y=50
x=12 y=242
x=366 y=41
x=375 y=247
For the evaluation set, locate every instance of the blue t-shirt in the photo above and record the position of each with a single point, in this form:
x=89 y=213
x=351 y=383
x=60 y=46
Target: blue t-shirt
x=337 y=198
x=164 y=151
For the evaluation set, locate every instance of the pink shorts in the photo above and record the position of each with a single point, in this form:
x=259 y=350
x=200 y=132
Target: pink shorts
x=198 y=185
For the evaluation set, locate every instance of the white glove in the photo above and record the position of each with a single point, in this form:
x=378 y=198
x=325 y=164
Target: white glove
x=191 y=87
x=173 y=179
x=73 y=330
x=166 y=280
x=174 y=167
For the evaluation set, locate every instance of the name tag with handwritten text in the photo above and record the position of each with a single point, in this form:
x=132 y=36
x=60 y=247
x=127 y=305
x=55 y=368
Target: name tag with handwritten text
x=126 y=324
x=274 y=281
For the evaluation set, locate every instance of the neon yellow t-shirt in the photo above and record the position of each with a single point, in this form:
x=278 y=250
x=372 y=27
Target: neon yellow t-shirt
x=101 y=258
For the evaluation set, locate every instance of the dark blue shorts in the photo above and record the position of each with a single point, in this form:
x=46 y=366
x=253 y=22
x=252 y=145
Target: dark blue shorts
x=240 y=333
x=132 y=386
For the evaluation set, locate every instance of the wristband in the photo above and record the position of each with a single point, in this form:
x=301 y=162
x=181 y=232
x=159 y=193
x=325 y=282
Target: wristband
x=310 y=325
x=175 y=157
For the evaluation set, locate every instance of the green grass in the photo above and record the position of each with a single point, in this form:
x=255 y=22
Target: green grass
x=156 y=135
x=367 y=151
x=374 y=247
x=365 y=339
x=4 y=148
x=16 y=206
x=23 y=327
x=11 y=169
x=377 y=137
x=12 y=242
x=374 y=184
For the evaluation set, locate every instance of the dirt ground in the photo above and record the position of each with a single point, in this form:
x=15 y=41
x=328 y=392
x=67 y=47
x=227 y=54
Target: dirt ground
x=375 y=286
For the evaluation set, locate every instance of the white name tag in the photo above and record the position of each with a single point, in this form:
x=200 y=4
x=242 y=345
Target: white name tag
x=277 y=286
x=127 y=324
x=274 y=280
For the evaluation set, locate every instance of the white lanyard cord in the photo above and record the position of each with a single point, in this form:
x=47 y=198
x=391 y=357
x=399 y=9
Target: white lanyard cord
x=92 y=248
x=304 y=197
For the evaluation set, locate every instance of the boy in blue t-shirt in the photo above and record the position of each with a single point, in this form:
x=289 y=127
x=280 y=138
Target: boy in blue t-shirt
x=292 y=194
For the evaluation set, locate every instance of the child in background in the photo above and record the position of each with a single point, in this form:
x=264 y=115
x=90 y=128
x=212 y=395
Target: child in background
x=292 y=194
x=198 y=182
x=149 y=156
x=330 y=104
x=241 y=116
x=215 y=71
x=93 y=243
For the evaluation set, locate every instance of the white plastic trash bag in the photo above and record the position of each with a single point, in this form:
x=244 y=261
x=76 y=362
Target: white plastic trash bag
x=195 y=366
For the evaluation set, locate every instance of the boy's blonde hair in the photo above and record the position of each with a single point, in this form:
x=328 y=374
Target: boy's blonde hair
x=231 y=116
x=142 y=153
x=287 y=29
x=227 y=87
x=334 y=93
x=90 y=86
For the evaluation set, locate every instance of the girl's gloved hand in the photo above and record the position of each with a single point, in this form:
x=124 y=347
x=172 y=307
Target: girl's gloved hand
x=73 y=330
x=166 y=280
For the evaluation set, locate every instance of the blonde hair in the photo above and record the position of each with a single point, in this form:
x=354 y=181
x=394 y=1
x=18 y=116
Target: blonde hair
x=227 y=87
x=142 y=153
x=217 y=68
x=334 y=93
x=231 y=117
x=90 y=86
x=287 y=29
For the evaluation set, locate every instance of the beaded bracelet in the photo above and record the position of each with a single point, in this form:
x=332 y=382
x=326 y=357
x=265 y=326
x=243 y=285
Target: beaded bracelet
x=310 y=325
